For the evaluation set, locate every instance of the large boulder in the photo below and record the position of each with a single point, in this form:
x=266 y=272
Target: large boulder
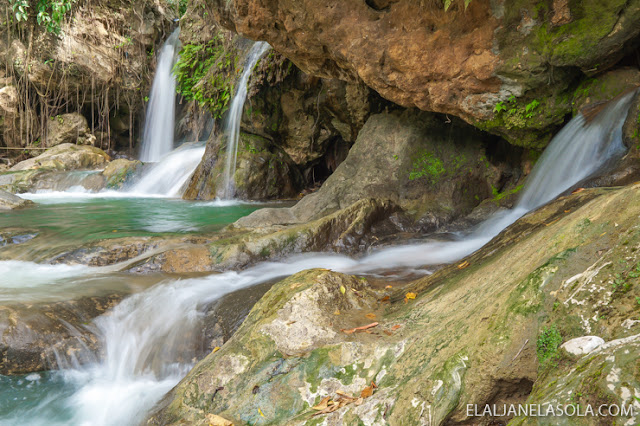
x=38 y=336
x=413 y=159
x=462 y=61
x=68 y=128
x=486 y=331
x=121 y=172
x=8 y=201
x=65 y=157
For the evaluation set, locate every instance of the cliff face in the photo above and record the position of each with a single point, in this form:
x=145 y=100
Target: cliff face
x=99 y=65
x=460 y=62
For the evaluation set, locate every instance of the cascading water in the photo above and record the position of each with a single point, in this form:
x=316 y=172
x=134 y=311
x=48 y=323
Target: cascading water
x=168 y=177
x=157 y=138
x=232 y=125
x=148 y=338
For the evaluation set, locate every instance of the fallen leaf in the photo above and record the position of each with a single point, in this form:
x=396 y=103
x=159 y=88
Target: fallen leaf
x=409 y=296
x=395 y=327
x=364 y=327
x=344 y=394
x=371 y=316
x=368 y=391
x=384 y=299
x=337 y=312
x=216 y=349
x=260 y=411
x=575 y=191
x=215 y=420
x=389 y=286
x=323 y=404
x=568 y=211
x=342 y=289
x=463 y=265
x=388 y=333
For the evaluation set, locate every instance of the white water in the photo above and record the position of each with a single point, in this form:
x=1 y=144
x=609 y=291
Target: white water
x=149 y=337
x=168 y=177
x=159 y=123
x=234 y=118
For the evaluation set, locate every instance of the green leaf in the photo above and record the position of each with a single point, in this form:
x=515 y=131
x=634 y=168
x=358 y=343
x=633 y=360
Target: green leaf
x=447 y=4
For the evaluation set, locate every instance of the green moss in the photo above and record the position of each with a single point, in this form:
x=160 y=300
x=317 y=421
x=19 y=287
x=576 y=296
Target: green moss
x=549 y=341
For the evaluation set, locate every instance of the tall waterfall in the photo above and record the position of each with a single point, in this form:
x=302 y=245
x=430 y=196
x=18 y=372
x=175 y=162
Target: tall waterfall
x=232 y=125
x=157 y=140
x=147 y=338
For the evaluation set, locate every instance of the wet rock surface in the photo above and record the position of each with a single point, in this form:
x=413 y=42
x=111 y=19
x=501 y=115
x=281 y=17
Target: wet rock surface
x=9 y=201
x=555 y=268
x=43 y=336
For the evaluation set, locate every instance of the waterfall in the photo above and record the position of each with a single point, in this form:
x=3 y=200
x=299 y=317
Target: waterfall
x=234 y=117
x=148 y=339
x=169 y=176
x=157 y=138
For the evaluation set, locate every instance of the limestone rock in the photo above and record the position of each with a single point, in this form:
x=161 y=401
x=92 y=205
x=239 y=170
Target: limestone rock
x=65 y=157
x=120 y=172
x=68 y=128
x=410 y=158
x=582 y=345
x=462 y=61
x=36 y=336
x=8 y=201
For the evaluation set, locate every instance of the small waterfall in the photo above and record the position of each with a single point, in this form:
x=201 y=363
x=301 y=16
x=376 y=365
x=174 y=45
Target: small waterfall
x=232 y=125
x=168 y=177
x=157 y=140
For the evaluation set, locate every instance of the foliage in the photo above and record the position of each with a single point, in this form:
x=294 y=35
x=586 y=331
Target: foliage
x=427 y=165
x=49 y=13
x=497 y=195
x=549 y=341
x=180 y=6
x=447 y=4
x=203 y=75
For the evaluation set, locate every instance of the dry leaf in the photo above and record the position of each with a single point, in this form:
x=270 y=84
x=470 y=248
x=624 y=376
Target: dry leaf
x=385 y=299
x=463 y=265
x=216 y=349
x=337 y=312
x=575 y=191
x=388 y=333
x=364 y=327
x=409 y=296
x=260 y=411
x=344 y=394
x=395 y=327
x=371 y=316
x=389 y=286
x=323 y=404
x=342 y=289
x=215 y=420
x=368 y=391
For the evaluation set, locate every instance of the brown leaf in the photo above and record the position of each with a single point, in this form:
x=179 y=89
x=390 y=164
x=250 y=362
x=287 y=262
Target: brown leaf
x=385 y=299
x=389 y=286
x=409 y=296
x=575 y=191
x=344 y=394
x=364 y=327
x=395 y=327
x=215 y=420
x=371 y=316
x=323 y=404
x=366 y=392
x=388 y=333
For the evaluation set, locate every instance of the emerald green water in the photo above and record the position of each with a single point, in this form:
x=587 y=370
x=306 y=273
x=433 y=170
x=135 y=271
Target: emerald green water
x=56 y=224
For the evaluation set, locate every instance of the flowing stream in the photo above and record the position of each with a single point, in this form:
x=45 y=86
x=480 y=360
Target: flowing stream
x=147 y=338
x=234 y=119
x=159 y=123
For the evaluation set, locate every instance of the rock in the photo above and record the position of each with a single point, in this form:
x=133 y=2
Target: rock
x=463 y=61
x=9 y=201
x=65 y=157
x=68 y=128
x=37 y=337
x=410 y=158
x=582 y=345
x=469 y=337
x=121 y=172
